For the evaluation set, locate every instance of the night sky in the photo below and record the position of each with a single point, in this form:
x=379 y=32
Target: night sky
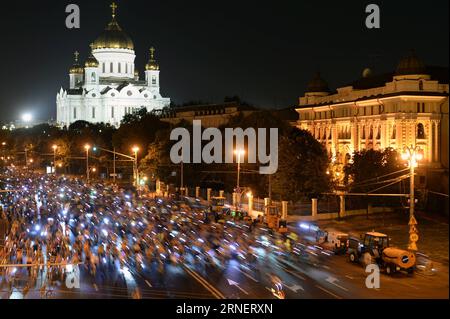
x=263 y=51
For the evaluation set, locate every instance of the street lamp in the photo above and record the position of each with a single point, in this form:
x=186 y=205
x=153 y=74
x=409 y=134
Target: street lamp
x=87 y=147
x=239 y=153
x=413 y=155
x=135 y=150
x=27 y=117
x=55 y=147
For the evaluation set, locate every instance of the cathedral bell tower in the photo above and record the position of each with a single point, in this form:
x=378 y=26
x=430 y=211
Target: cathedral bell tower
x=91 y=71
x=75 y=73
x=152 y=72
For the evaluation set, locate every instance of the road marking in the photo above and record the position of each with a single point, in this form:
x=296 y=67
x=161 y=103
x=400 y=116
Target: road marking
x=329 y=292
x=148 y=284
x=245 y=274
x=333 y=280
x=216 y=293
x=349 y=277
x=295 y=288
x=295 y=274
x=234 y=283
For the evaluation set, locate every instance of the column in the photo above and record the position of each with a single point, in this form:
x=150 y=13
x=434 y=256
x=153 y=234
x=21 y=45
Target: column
x=197 y=192
x=314 y=207
x=250 y=204
x=284 y=210
x=208 y=194
x=436 y=141
x=341 y=205
x=384 y=143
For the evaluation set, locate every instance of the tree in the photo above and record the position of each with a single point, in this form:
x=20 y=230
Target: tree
x=367 y=172
x=302 y=167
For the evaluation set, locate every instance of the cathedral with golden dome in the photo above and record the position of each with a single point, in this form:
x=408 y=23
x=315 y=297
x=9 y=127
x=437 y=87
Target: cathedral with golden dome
x=107 y=86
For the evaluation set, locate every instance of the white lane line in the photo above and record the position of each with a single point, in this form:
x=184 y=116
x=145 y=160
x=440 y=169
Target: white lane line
x=216 y=293
x=349 y=277
x=148 y=284
x=295 y=274
x=245 y=274
x=328 y=292
x=333 y=280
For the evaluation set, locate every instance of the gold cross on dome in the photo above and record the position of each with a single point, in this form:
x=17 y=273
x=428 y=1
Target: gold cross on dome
x=152 y=53
x=113 y=7
x=76 y=53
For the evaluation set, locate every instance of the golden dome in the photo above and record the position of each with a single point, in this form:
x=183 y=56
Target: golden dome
x=113 y=37
x=76 y=67
x=152 y=65
x=91 y=61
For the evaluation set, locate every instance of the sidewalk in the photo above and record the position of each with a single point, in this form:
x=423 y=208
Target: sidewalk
x=433 y=233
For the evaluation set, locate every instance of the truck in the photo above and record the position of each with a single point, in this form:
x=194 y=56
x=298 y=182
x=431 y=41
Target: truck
x=375 y=249
x=273 y=219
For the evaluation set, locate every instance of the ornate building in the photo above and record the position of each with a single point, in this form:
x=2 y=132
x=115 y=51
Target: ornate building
x=108 y=86
x=408 y=107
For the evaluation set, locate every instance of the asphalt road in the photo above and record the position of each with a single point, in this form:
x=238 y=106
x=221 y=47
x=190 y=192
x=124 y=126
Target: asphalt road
x=321 y=276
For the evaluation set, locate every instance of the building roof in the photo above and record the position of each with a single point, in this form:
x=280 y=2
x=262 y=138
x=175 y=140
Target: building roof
x=410 y=64
x=378 y=80
x=317 y=84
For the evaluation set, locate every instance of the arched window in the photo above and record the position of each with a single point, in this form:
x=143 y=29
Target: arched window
x=394 y=133
x=111 y=68
x=371 y=133
x=93 y=77
x=363 y=132
x=420 y=131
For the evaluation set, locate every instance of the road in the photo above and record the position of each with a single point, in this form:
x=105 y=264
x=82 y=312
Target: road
x=167 y=249
x=326 y=277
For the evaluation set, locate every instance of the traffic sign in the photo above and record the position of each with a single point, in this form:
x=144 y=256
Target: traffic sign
x=412 y=221
x=414 y=237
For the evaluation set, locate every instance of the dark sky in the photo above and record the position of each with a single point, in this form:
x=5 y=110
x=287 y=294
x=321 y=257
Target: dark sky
x=264 y=51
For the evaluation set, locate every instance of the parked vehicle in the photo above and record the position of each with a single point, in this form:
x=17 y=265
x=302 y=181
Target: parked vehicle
x=375 y=249
x=335 y=241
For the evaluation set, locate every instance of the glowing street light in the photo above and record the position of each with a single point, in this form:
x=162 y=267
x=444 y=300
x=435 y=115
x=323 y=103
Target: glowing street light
x=87 y=147
x=27 y=117
x=54 y=147
x=413 y=155
x=135 y=150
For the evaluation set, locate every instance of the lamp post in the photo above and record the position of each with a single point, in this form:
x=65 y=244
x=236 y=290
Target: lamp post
x=87 y=147
x=55 y=147
x=238 y=153
x=135 y=150
x=413 y=155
